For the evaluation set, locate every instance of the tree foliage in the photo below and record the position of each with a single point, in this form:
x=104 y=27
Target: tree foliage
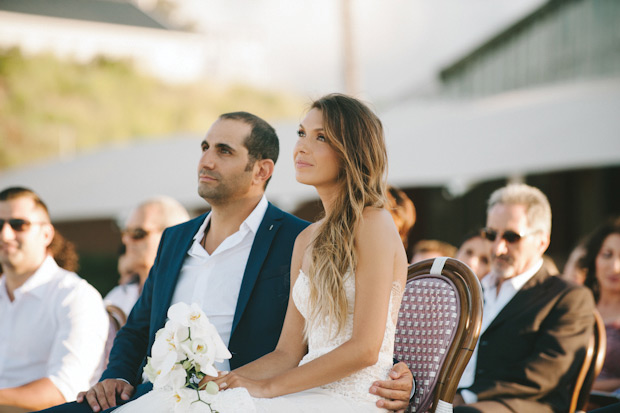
x=49 y=106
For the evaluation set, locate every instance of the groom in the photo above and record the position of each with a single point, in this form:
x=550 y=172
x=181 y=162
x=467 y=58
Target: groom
x=234 y=262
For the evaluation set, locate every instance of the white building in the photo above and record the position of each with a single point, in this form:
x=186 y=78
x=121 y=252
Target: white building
x=84 y=29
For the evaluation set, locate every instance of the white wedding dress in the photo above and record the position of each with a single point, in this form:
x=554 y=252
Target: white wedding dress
x=350 y=394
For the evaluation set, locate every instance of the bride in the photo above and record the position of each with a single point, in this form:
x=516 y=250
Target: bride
x=347 y=276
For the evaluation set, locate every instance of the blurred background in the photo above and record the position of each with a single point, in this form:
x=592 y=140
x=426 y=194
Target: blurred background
x=103 y=103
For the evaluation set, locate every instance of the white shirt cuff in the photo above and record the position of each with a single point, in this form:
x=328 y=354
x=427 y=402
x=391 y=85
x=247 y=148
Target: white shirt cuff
x=469 y=397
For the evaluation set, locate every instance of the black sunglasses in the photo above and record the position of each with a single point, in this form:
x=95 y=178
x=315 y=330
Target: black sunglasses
x=510 y=236
x=18 y=224
x=136 y=233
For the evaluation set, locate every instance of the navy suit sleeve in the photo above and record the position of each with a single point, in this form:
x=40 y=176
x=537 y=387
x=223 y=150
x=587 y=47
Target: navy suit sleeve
x=132 y=341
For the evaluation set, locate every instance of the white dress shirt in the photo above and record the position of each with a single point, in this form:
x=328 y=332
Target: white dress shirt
x=213 y=280
x=493 y=304
x=56 y=327
x=123 y=296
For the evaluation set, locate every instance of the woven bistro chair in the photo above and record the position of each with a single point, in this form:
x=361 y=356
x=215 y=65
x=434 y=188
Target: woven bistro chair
x=438 y=327
x=117 y=318
x=591 y=367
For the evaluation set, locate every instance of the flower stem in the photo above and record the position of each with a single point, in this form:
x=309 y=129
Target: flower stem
x=202 y=401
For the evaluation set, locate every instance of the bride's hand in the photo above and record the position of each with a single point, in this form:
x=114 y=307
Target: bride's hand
x=206 y=379
x=256 y=388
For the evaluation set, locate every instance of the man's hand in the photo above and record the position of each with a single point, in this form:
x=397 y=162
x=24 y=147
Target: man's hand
x=256 y=388
x=103 y=394
x=397 y=390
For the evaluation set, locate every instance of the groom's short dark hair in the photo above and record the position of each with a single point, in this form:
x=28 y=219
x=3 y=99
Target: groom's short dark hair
x=262 y=142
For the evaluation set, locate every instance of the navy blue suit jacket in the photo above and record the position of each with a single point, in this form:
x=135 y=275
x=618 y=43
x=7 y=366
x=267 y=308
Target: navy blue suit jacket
x=261 y=305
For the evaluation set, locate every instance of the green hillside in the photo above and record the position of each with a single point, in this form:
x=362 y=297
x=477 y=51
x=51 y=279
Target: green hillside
x=48 y=106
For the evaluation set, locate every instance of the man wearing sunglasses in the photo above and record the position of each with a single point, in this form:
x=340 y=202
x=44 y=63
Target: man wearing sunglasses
x=53 y=326
x=141 y=235
x=535 y=326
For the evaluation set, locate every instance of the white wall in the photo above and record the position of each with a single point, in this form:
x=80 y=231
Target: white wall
x=171 y=55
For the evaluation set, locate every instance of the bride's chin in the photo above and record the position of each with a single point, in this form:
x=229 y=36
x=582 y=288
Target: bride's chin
x=302 y=180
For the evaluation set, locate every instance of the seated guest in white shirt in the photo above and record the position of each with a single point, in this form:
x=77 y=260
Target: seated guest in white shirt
x=53 y=325
x=141 y=235
x=535 y=327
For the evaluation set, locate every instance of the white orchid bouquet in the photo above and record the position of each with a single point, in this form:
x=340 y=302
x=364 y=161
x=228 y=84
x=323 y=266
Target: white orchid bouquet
x=183 y=353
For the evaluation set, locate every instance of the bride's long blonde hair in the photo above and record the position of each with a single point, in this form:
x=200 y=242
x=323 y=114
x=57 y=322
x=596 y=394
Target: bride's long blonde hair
x=356 y=134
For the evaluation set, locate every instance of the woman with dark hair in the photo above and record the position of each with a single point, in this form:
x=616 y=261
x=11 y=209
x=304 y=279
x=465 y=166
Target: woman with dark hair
x=572 y=271
x=403 y=212
x=602 y=265
x=475 y=251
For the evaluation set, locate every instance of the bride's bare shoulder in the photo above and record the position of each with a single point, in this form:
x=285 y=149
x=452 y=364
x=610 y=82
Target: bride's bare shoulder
x=305 y=237
x=377 y=220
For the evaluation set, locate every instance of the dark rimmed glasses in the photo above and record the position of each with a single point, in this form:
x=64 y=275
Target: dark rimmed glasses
x=509 y=236
x=18 y=224
x=137 y=233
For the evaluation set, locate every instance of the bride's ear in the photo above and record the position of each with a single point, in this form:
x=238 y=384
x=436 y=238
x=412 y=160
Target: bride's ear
x=263 y=169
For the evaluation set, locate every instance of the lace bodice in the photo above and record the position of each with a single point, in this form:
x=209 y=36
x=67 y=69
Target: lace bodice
x=320 y=341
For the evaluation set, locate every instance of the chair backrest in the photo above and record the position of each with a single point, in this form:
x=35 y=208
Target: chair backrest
x=591 y=367
x=438 y=327
x=117 y=318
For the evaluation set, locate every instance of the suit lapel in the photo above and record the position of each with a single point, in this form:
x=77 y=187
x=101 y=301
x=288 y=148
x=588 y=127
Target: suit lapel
x=529 y=295
x=181 y=242
x=260 y=247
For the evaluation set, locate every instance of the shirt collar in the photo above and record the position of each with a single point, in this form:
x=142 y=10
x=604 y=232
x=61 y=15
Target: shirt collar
x=256 y=217
x=41 y=276
x=517 y=282
x=252 y=222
